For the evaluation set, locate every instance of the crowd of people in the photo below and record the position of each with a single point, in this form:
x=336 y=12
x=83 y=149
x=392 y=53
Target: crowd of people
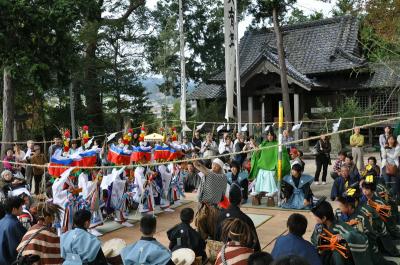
x=49 y=214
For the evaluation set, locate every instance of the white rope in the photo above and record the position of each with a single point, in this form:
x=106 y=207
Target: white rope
x=216 y=156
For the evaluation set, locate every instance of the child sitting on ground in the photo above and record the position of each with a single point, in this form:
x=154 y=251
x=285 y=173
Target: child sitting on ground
x=184 y=236
x=147 y=250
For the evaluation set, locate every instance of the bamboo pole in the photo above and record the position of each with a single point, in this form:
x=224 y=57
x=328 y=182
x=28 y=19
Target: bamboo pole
x=280 y=126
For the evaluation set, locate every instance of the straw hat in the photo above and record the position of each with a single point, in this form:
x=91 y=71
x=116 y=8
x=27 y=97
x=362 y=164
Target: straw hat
x=183 y=256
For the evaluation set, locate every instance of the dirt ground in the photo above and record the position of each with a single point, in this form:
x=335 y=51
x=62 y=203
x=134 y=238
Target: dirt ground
x=267 y=232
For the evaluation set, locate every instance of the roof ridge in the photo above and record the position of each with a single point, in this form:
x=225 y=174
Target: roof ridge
x=305 y=24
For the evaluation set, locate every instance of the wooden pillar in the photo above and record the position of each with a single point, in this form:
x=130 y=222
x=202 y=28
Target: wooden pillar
x=250 y=110
x=370 y=135
x=296 y=105
x=263 y=112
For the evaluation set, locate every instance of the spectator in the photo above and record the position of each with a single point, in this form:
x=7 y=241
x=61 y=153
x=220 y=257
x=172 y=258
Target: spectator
x=384 y=136
x=236 y=235
x=45 y=246
x=341 y=183
x=37 y=159
x=213 y=184
x=357 y=144
x=209 y=147
x=322 y=159
x=192 y=181
x=354 y=172
x=226 y=145
x=296 y=188
x=286 y=139
x=260 y=258
x=239 y=146
x=184 y=236
x=147 y=250
x=196 y=141
x=10 y=182
x=240 y=177
x=9 y=158
x=55 y=146
x=390 y=164
x=294 y=244
x=79 y=245
x=11 y=230
x=19 y=156
x=233 y=212
x=338 y=164
x=28 y=154
x=187 y=147
x=295 y=158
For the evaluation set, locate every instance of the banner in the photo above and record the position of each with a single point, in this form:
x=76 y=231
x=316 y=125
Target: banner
x=230 y=54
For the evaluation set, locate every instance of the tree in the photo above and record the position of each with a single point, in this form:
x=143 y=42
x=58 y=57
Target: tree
x=274 y=11
x=297 y=16
x=35 y=42
x=93 y=21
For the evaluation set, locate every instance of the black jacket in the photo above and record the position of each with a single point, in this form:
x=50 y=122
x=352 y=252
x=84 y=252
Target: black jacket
x=184 y=236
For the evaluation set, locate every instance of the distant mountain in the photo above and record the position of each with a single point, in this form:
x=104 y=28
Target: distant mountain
x=151 y=85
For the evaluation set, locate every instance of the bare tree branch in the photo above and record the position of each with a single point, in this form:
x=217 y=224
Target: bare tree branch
x=133 y=5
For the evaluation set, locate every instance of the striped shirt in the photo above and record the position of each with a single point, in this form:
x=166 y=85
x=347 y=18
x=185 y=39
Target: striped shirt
x=46 y=245
x=234 y=255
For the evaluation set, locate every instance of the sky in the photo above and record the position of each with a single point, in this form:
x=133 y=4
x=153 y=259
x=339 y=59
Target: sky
x=308 y=6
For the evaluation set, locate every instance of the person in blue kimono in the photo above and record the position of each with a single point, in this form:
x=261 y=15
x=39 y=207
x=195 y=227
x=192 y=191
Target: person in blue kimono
x=296 y=189
x=11 y=230
x=343 y=182
x=78 y=246
x=294 y=244
x=147 y=250
x=240 y=177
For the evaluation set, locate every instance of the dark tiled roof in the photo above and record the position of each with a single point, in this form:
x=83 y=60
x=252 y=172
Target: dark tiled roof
x=327 y=45
x=206 y=91
x=383 y=75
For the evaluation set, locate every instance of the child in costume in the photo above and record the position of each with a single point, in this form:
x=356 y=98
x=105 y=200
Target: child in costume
x=338 y=242
x=296 y=189
x=176 y=189
x=166 y=178
x=90 y=184
x=365 y=219
x=384 y=210
x=144 y=189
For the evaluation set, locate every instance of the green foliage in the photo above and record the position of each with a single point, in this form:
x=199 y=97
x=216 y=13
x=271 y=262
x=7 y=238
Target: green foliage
x=262 y=9
x=297 y=16
x=348 y=108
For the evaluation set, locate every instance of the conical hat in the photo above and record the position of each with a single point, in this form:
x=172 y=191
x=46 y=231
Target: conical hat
x=113 y=247
x=183 y=256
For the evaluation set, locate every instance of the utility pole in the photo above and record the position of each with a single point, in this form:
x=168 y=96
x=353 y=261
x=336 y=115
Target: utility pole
x=72 y=109
x=183 y=74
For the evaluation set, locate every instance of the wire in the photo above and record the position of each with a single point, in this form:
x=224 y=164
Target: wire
x=211 y=157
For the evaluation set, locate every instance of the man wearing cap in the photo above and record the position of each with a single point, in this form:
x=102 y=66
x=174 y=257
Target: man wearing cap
x=233 y=211
x=213 y=182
